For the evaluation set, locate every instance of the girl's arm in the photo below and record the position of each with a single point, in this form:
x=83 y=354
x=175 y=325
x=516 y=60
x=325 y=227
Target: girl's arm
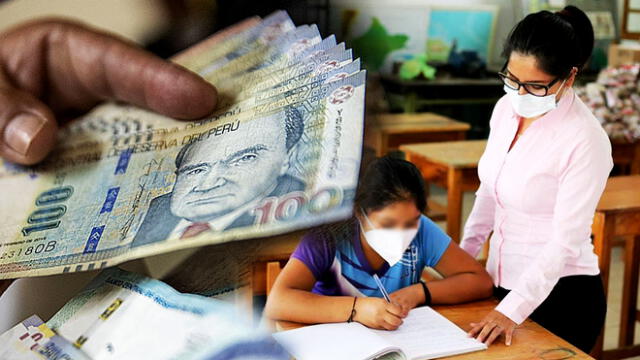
x=291 y=299
x=464 y=280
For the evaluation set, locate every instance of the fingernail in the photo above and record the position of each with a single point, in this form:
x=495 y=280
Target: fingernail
x=21 y=130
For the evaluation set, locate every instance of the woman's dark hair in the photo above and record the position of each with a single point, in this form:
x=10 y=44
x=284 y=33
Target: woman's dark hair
x=388 y=180
x=559 y=41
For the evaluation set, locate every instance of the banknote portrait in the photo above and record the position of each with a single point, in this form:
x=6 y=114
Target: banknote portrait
x=221 y=179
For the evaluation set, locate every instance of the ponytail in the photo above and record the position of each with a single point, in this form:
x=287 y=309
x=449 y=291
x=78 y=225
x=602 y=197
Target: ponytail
x=559 y=41
x=583 y=33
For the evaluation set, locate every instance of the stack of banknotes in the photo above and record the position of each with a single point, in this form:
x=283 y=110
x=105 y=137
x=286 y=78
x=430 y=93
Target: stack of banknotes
x=123 y=315
x=281 y=153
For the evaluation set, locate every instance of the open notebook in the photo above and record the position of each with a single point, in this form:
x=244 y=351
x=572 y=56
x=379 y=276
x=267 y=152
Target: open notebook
x=425 y=334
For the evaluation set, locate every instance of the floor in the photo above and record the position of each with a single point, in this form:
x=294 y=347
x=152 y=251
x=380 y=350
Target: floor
x=615 y=281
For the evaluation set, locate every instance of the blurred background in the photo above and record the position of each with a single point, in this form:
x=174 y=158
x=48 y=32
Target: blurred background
x=432 y=64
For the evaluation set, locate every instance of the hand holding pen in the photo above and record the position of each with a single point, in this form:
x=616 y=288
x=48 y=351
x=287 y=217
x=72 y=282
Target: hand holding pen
x=384 y=292
x=379 y=313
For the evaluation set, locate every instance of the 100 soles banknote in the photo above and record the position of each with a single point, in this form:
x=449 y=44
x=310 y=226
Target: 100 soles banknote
x=285 y=156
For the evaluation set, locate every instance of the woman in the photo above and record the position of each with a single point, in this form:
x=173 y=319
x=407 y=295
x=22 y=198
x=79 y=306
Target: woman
x=330 y=276
x=542 y=173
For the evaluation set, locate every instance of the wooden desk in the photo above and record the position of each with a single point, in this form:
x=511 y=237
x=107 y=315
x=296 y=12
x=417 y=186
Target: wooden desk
x=531 y=341
x=452 y=165
x=388 y=131
x=463 y=99
x=618 y=214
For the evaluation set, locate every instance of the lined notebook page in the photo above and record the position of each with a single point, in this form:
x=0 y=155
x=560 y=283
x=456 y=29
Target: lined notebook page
x=342 y=341
x=426 y=334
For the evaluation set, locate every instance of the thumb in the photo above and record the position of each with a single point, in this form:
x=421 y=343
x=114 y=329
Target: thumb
x=27 y=127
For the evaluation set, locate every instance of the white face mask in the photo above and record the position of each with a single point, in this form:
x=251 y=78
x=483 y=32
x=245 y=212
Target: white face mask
x=390 y=244
x=529 y=106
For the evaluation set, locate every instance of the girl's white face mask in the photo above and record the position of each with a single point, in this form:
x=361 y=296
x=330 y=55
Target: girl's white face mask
x=390 y=244
x=529 y=106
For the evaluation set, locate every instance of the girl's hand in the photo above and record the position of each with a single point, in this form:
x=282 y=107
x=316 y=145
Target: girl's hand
x=492 y=326
x=377 y=313
x=408 y=297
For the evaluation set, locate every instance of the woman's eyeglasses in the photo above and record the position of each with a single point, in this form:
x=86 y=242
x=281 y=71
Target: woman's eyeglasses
x=534 y=89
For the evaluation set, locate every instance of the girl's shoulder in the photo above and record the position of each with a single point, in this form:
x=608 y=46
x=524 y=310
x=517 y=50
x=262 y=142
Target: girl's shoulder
x=432 y=240
x=323 y=242
x=428 y=227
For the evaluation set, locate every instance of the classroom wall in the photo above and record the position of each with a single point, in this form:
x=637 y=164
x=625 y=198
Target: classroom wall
x=414 y=21
x=411 y=17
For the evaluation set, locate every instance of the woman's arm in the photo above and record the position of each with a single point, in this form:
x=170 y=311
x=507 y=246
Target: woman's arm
x=580 y=186
x=291 y=299
x=464 y=280
x=479 y=223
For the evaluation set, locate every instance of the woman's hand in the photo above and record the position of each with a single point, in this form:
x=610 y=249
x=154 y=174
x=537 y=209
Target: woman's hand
x=492 y=326
x=377 y=313
x=408 y=297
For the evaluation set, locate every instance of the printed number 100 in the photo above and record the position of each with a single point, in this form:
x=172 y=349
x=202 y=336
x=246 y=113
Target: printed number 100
x=297 y=203
x=49 y=210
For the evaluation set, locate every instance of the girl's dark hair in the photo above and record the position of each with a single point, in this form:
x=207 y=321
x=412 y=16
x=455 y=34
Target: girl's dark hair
x=388 y=180
x=559 y=41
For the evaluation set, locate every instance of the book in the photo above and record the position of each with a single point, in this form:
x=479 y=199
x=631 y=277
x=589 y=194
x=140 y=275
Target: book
x=424 y=334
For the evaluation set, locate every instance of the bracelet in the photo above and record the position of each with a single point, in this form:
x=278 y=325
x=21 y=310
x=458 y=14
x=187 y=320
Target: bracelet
x=427 y=293
x=353 y=310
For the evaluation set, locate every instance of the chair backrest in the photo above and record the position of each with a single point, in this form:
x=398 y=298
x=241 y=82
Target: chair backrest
x=273 y=270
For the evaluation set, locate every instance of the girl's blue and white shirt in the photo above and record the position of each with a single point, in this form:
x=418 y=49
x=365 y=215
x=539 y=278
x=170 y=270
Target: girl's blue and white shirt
x=341 y=268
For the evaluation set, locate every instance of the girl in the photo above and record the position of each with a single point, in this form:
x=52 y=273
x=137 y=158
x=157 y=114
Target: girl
x=329 y=277
x=542 y=173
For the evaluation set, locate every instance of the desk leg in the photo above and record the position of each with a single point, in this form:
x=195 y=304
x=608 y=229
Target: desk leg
x=411 y=103
x=634 y=167
x=629 y=291
x=454 y=203
x=381 y=146
x=602 y=229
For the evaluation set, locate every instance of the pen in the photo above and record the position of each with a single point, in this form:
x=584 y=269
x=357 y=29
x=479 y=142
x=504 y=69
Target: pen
x=381 y=287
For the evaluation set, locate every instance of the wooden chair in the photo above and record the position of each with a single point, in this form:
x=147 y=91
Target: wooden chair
x=273 y=270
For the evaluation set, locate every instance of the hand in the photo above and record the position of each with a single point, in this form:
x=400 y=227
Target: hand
x=377 y=313
x=52 y=70
x=408 y=297
x=492 y=326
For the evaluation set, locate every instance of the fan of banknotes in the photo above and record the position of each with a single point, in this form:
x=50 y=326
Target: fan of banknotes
x=281 y=153
x=123 y=315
